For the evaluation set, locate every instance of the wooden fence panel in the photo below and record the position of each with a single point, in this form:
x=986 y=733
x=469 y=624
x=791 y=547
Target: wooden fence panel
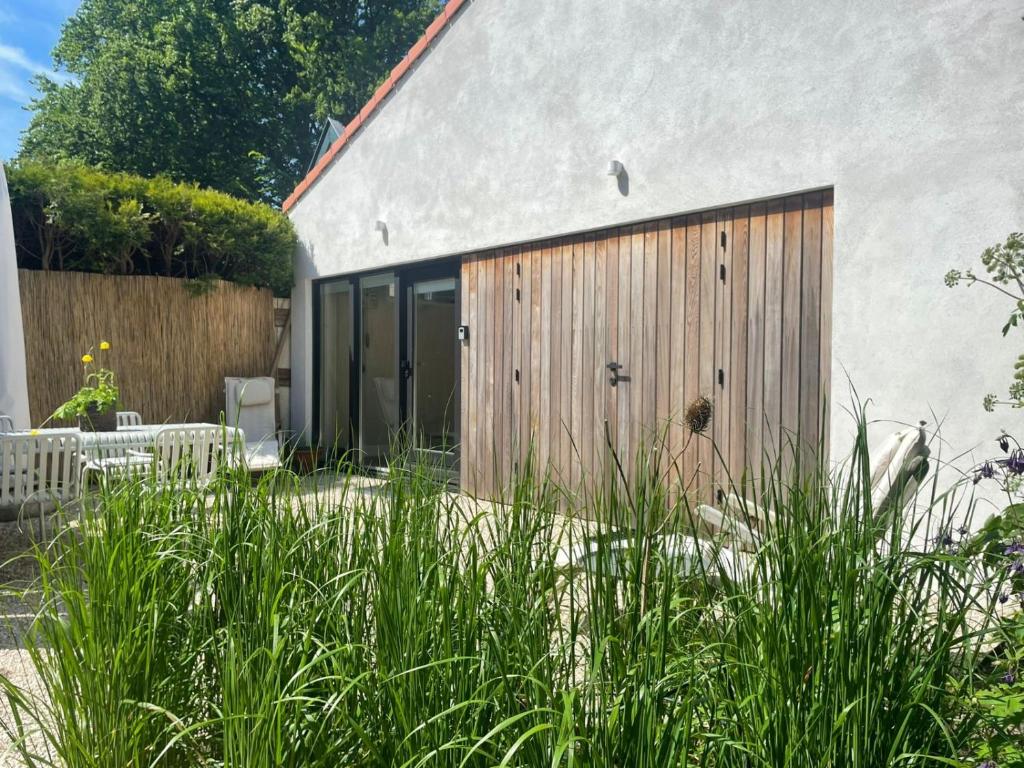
x=170 y=350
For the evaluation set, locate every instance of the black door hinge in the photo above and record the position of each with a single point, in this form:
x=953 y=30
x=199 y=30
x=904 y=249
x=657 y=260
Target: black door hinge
x=517 y=294
x=517 y=270
x=723 y=238
x=721 y=377
x=517 y=375
x=721 y=272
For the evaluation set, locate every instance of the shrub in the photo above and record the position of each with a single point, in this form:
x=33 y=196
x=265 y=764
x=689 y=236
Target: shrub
x=70 y=216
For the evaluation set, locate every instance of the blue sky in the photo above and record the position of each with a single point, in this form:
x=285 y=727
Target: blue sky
x=28 y=31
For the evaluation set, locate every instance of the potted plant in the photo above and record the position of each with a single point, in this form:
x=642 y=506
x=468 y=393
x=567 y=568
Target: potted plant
x=95 y=404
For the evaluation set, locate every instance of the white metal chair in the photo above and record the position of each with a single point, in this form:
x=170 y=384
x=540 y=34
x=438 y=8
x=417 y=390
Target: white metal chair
x=250 y=408
x=6 y=423
x=116 y=457
x=129 y=419
x=39 y=469
x=192 y=455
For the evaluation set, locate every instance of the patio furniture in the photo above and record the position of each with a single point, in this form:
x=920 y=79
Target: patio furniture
x=250 y=407
x=191 y=455
x=129 y=419
x=42 y=469
x=6 y=423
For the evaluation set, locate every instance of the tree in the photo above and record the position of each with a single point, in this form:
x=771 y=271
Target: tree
x=225 y=93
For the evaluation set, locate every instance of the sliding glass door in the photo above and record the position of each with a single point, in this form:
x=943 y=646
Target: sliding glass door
x=387 y=366
x=336 y=360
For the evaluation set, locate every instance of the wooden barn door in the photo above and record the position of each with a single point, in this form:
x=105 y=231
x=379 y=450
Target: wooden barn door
x=608 y=336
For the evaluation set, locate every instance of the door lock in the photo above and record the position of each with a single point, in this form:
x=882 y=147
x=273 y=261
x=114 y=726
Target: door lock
x=405 y=370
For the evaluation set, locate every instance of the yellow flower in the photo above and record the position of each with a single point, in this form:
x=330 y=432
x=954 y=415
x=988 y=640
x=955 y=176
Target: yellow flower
x=104 y=345
x=34 y=432
x=86 y=358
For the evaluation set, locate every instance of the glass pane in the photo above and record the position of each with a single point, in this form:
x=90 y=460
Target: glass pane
x=335 y=365
x=435 y=402
x=379 y=384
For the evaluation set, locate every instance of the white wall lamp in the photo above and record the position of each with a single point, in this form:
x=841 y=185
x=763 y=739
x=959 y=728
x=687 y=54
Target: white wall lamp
x=615 y=168
x=382 y=227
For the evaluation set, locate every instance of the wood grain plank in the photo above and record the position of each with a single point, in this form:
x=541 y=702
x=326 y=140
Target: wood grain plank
x=827 y=272
x=636 y=368
x=488 y=297
x=576 y=363
x=810 y=328
x=691 y=384
x=774 y=237
x=476 y=375
x=551 y=322
x=723 y=350
x=709 y=250
x=677 y=344
x=611 y=399
x=465 y=377
x=649 y=428
x=623 y=397
x=792 y=266
x=599 y=358
x=738 y=286
x=663 y=336
x=498 y=309
x=585 y=431
x=533 y=430
x=564 y=424
x=754 y=413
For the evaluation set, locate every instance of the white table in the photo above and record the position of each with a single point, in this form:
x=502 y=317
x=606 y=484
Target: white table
x=104 y=445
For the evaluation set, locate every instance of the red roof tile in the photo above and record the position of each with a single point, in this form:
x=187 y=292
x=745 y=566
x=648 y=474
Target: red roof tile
x=438 y=24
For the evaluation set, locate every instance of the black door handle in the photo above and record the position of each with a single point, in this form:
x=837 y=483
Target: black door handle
x=616 y=377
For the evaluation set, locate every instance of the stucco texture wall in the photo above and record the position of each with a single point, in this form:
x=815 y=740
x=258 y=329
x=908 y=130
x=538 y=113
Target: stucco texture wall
x=911 y=110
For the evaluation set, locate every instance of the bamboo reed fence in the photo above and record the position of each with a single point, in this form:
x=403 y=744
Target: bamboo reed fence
x=170 y=349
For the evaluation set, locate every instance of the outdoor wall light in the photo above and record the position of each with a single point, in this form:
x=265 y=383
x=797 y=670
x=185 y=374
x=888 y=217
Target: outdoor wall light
x=615 y=168
x=381 y=227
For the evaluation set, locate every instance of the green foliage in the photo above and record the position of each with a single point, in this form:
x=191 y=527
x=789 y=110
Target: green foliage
x=72 y=216
x=1004 y=269
x=333 y=621
x=224 y=93
x=99 y=391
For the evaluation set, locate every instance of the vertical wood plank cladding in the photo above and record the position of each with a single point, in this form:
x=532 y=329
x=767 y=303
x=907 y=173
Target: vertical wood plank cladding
x=574 y=433
x=677 y=345
x=738 y=287
x=525 y=361
x=773 y=332
x=755 y=407
x=465 y=377
x=792 y=266
x=565 y=390
x=635 y=369
x=609 y=440
x=723 y=349
x=600 y=356
x=827 y=270
x=649 y=425
x=585 y=432
x=548 y=395
x=709 y=250
x=663 y=332
x=691 y=383
x=625 y=345
x=654 y=298
x=810 y=330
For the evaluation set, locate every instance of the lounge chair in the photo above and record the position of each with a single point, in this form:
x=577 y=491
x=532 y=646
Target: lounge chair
x=250 y=408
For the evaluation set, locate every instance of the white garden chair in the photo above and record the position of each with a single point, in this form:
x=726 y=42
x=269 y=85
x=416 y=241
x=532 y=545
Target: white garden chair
x=191 y=456
x=6 y=423
x=249 y=406
x=44 y=470
x=129 y=419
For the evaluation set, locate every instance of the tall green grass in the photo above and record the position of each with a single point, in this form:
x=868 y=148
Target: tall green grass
x=315 y=622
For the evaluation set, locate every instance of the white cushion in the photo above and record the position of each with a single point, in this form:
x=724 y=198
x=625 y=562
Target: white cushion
x=254 y=391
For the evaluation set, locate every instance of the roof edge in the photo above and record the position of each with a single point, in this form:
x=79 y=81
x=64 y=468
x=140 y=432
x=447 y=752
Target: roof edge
x=418 y=49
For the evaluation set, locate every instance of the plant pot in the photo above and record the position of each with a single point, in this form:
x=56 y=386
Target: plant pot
x=98 y=421
x=305 y=460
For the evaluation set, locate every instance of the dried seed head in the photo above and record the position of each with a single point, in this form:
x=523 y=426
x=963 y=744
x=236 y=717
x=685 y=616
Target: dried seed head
x=698 y=414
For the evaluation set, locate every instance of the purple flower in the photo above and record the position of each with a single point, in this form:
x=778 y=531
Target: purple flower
x=987 y=471
x=988 y=764
x=1009 y=678
x=1017 y=569
x=1004 y=597
x=1016 y=548
x=1004 y=443
x=1015 y=462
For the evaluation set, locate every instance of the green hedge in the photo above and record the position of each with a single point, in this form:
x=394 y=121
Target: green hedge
x=69 y=216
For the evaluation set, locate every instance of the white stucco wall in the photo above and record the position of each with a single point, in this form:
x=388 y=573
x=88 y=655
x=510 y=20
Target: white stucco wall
x=911 y=110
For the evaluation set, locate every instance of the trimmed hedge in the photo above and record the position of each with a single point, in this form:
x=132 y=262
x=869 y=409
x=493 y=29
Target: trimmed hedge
x=70 y=216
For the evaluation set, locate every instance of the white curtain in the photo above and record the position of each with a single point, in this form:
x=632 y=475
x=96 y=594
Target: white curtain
x=13 y=378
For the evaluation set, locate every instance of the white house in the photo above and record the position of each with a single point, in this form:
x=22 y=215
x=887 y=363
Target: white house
x=559 y=215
